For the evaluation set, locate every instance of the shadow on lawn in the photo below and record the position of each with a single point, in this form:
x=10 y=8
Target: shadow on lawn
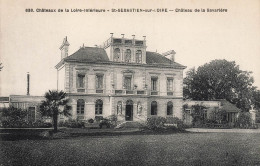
x=40 y=134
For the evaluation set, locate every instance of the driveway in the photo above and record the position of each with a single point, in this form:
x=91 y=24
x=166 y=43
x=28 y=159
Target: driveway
x=203 y=130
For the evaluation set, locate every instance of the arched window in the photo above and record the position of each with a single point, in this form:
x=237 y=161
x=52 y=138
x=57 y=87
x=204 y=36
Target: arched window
x=128 y=55
x=98 y=107
x=169 y=108
x=80 y=106
x=139 y=108
x=116 y=54
x=119 y=107
x=154 y=108
x=138 y=56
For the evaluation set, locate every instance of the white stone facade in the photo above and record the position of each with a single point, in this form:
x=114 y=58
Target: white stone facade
x=99 y=85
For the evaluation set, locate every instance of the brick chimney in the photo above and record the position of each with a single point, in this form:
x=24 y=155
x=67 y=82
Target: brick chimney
x=64 y=48
x=28 y=83
x=170 y=55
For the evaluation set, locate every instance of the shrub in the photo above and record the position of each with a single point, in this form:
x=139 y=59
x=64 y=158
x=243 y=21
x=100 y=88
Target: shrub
x=98 y=118
x=178 y=123
x=91 y=120
x=105 y=122
x=244 y=120
x=112 y=119
x=11 y=123
x=155 y=123
x=72 y=124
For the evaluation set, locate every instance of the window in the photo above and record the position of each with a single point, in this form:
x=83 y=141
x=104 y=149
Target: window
x=205 y=113
x=188 y=111
x=128 y=55
x=117 y=54
x=99 y=81
x=154 y=108
x=80 y=106
x=138 y=56
x=119 y=107
x=98 y=107
x=31 y=114
x=81 y=80
x=127 y=82
x=154 y=83
x=169 y=108
x=169 y=84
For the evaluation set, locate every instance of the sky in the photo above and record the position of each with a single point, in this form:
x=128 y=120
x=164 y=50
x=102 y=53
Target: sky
x=30 y=41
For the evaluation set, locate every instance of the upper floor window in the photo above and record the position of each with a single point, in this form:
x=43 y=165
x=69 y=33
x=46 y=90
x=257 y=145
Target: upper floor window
x=99 y=107
x=116 y=54
x=80 y=106
x=128 y=55
x=99 y=81
x=169 y=108
x=81 y=80
x=138 y=56
x=128 y=82
x=154 y=108
x=154 y=83
x=170 y=84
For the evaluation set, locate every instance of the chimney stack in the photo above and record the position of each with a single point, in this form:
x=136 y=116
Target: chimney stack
x=28 y=83
x=170 y=55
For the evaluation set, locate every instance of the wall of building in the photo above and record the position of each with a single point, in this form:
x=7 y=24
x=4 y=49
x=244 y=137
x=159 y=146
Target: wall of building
x=61 y=78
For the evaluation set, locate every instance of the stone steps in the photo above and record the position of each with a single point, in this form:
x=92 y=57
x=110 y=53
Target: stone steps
x=129 y=124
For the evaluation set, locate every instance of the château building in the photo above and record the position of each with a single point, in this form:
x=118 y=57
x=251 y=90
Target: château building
x=120 y=77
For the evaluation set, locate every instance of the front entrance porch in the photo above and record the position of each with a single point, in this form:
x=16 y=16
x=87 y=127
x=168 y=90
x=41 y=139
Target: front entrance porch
x=129 y=110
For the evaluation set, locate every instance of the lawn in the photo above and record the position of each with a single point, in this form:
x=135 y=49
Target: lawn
x=160 y=149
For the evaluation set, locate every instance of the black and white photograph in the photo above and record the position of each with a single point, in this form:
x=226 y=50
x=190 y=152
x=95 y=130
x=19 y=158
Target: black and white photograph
x=140 y=82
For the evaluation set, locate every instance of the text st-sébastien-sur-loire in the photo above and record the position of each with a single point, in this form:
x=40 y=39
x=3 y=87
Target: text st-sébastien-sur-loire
x=128 y=10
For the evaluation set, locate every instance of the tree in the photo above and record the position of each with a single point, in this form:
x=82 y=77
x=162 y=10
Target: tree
x=1 y=67
x=256 y=99
x=198 y=114
x=55 y=103
x=220 y=79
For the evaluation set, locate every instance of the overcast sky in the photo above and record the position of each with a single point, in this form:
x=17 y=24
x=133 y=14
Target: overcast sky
x=30 y=41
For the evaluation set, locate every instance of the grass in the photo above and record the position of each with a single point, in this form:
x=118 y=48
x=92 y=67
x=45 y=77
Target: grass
x=160 y=149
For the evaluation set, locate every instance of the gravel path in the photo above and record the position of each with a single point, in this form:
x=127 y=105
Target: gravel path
x=202 y=130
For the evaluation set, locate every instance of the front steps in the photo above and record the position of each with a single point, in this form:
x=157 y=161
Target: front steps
x=128 y=124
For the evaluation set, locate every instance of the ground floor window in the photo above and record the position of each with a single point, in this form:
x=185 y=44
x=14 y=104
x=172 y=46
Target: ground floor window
x=99 y=107
x=31 y=114
x=80 y=106
x=154 y=108
x=169 y=108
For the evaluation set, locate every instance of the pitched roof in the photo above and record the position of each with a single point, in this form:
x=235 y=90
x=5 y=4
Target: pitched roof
x=93 y=54
x=229 y=107
x=156 y=58
x=89 y=54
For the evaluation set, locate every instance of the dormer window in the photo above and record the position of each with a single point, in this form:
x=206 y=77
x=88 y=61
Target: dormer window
x=138 y=56
x=116 y=54
x=128 y=55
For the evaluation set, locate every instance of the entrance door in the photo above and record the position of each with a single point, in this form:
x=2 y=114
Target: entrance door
x=129 y=110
